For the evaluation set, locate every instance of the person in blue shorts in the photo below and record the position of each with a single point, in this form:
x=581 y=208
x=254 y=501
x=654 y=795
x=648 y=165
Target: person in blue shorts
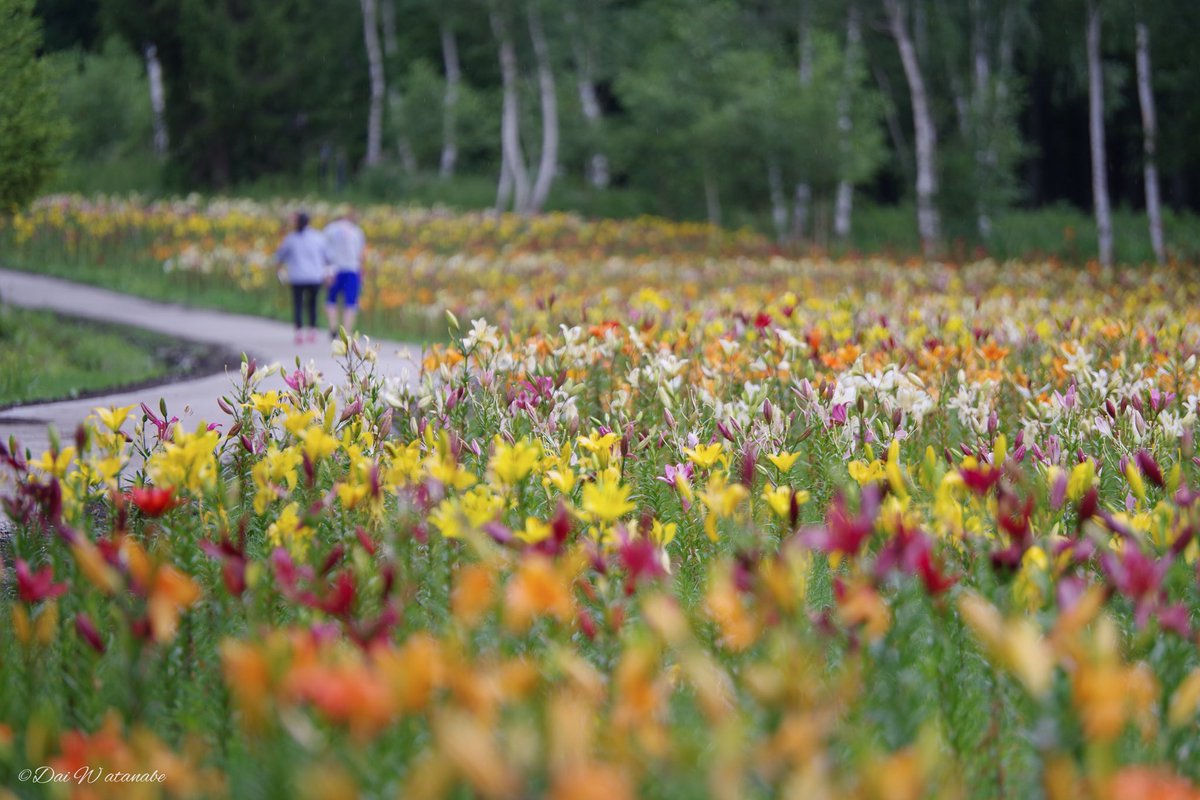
x=345 y=250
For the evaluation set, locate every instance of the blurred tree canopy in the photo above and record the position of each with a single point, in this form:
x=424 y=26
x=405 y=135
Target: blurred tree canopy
x=30 y=127
x=726 y=109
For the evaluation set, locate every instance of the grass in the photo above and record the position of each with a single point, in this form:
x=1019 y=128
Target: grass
x=45 y=356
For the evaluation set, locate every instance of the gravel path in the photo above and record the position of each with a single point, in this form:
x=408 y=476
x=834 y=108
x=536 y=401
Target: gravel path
x=193 y=400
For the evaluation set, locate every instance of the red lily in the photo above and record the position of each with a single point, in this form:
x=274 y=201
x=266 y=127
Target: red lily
x=843 y=533
x=33 y=587
x=153 y=500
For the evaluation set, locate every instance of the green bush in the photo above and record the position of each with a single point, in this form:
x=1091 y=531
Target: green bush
x=29 y=127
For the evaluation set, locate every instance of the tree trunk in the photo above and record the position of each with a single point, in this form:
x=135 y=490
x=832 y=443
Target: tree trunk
x=597 y=172
x=928 y=220
x=712 y=198
x=891 y=115
x=800 y=211
x=378 y=89
x=387 y=13
x=805 y=70
x=510 y=123
x=158 y=100
x=1096 y=128
x=779 y=209
x=395 y=100
x=1150 y=131
x=504 y=189
x=548 y=163
x=983 y=119
x=962 y=106
x=597 y=166
x=844 y=203
x=450 y=102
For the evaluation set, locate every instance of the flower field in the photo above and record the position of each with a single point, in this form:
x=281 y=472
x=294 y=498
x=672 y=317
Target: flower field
x=666 y=515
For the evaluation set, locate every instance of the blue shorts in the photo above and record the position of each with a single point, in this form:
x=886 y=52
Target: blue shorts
x=345 y=283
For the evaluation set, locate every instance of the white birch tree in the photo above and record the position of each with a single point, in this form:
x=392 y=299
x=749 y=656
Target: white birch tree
x=1150 y=141
x=803 y=199
x=514 y=175
x=449 y=157
x=158 y=99
x=844 y=201
x=1100 y=197
x=548 y=96
x=584 y=55
x=378 y=89
x=928 y=218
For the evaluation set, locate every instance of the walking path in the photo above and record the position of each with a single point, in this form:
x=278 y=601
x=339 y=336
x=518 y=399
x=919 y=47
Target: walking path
x=193 y=400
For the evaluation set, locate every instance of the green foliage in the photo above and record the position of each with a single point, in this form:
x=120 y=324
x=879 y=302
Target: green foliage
x=29 y=128
x=252 y=88
x=106 y=96
x=699 y=99
x=420 y=117
x=47 y=357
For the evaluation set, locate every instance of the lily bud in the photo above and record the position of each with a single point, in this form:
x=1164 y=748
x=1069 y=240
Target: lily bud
x=88 y=632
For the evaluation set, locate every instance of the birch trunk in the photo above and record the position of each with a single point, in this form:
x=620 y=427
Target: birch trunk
x=504 y=188
x=378 y=89
x=387 y=14
x=844 y=203
x=803 y=189
x=158 y=100
x=712 y=198
x=1096 y=129
x=800 y=210
x=597 y=166
x=983 y=119
x=450 y=102
x=779 y=209
x=597 y=173
x=928 y=220
x=1150 y=132
x=891 y=115
x=962 y=106
x=510 y=123
x=548 y=163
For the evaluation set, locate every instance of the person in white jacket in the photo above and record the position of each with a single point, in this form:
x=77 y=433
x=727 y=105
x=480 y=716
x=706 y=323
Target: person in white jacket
x=303 y=254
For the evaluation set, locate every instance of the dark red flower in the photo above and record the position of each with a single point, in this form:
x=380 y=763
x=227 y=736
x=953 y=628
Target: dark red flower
x=1088 y=504
x=587 y=623
x=1149 y=468
x=87 y=631
x=33 y=587
x=931 y=573
x=1133 y=573
x=640 y=558
x=365 y=539
x=844 y=533
x=980 y=479
x=233 y=559
x=339 y=600
x=560 y=529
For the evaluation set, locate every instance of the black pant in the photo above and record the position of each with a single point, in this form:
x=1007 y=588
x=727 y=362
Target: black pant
x=304 y=296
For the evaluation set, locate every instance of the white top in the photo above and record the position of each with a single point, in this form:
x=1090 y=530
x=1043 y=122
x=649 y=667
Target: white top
x=344 y=245
x=304 y=255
